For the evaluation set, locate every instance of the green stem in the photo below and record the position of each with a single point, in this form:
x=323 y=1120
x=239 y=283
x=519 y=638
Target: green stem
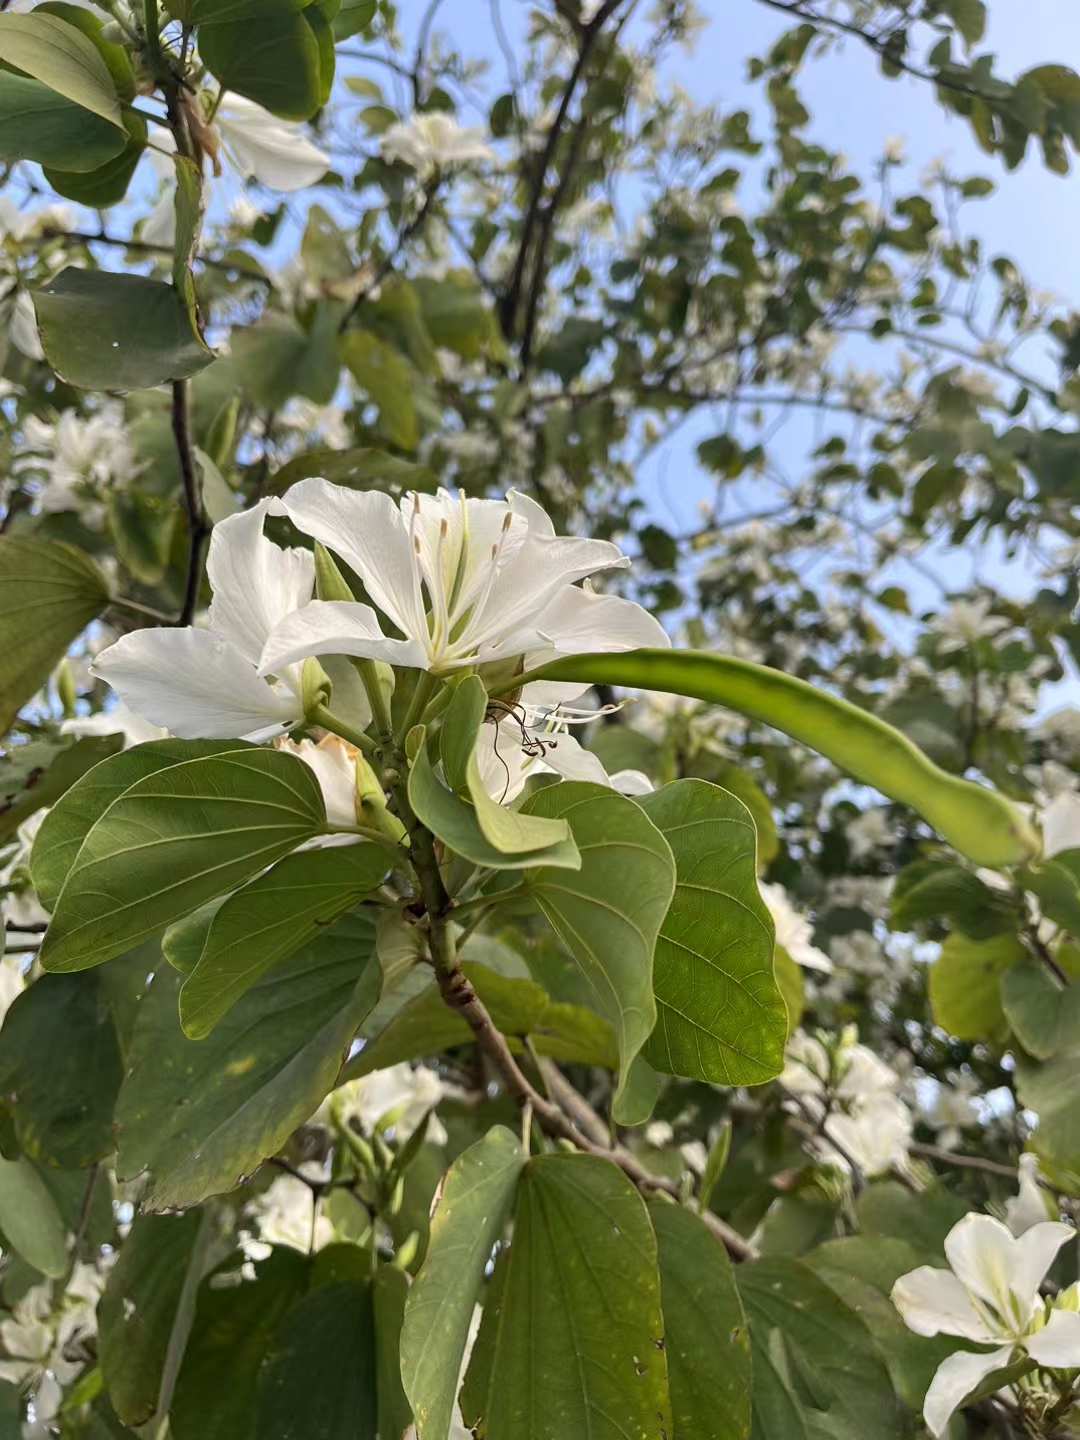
x=329 y=721
x=425 y=687
x=380 y=706
x=153 y=35
x=366 y=833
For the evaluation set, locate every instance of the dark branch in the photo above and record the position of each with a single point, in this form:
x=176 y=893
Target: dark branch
x=198 y=528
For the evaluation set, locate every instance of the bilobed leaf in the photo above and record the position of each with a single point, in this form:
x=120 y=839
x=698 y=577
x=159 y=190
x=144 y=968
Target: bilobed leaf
x=386 y=376
x=200 y=1114
x=49 y=593
x=982 y=824
x=365 y=469
x=70 y=820
x=455 y=823
x=106 y=184
x=276 y=359
x=234 y=1325
x=106 y=331
x=705 y=1334
x=583 y=1292
x=471 y=1210
x=719 y=1014
x=275 y=61
x=609 y=913
x=40 y=772
x=964 y=984
x=60 y=1070
x=145 y=1312
x=272 y=918
x=173 y=841
x=29 y=1218
x=318 y=1375
x=38 y=124
x=817 y=1375
x=54 y=52
x=1042 y=1014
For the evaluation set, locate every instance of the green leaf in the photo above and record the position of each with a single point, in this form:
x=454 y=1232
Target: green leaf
x=981 y=824
x=705 y=1335
x=60 y=1070
x=969 y=17
x=105 y=331
x=388 y=379
x=1042 y=1014
x=318 y=1375
x=582 y=1285
x=471 y=1210
x=38 y=124
x=932 y=888
x=54 y=52
x=817 y=1375
x=719 y=1014
x=40 y=772
x=276 y=359
x=29 y=1218
x=964 y=984
x=115 y=56
x=887 y=1209
x=200 y=1114
x=108 y=183
x=207 y=12
x=365 y=469
x=49 y=593
x=275 y=61
x=217 y=1388
x=67 y=824
x=609 y=913
x=147 y=1308
x=456 y=824
x=270 y=919
x=174 y=840
x=1058 y=892
x=510 y=831
x=1050 y=1090
x=389 y=1292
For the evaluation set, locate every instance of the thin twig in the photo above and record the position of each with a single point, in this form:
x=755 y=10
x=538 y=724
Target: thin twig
x=198 y=528
x=143 y=247
x=386 y=265
x=966 y=1162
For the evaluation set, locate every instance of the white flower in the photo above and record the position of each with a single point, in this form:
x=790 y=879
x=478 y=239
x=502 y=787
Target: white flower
x=539 y=743
x=41 y=1337
x=465 y=582
x=1061 y=824
x=76 y=453
x=792 y=929
x=205 y=683
x=276 y=152
x=399 y=1096
x=874 y=1134
x=1031 y=1205
x=869 y=832
x=435 y=141
x=853 y=1093
x=22 y=909
x=117 y=720
x=20 y=321
x=991 y=1296
x=965 y=622
x=285 y=1215
x=334 y=763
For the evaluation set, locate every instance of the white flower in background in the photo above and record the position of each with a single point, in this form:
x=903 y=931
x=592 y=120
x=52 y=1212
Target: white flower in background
x=205 y=683
x=398 y=1097
x=427 y=143
x=1060 y=823
x=76 y=456
x=117 y=720
x=953 y=1109
x=991 y=1296
x=40 y=1340
x=285 y=1214
x=859 y=953
x=966 y=622
x=536 y=740
x=17 y=315
x=1031 y=1205
x=869 y=832
x=465 y=581
x=334 y=763
x=1062 y=727
x=793 y=930
x=19 y=320
x=21 y=907
x=854 y=1093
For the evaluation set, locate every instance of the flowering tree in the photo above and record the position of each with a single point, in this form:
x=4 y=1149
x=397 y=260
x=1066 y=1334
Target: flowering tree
x=480 y=960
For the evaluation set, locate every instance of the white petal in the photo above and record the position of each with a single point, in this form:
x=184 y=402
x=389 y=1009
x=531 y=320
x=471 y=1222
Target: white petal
x=195 y=684
x=23 y=327
x=460 y=541
x=255 y=583
x=336 y=627
x=934 y=1302
x=1061 y=824
x=366 y=530
x=117 y=721
x=566 y=757
x=159 y=227
x=277 y=153
x=956 y=1378
x=632 y=782
x=1002 y=1269
x=1057 y=1344
x=577 y=621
